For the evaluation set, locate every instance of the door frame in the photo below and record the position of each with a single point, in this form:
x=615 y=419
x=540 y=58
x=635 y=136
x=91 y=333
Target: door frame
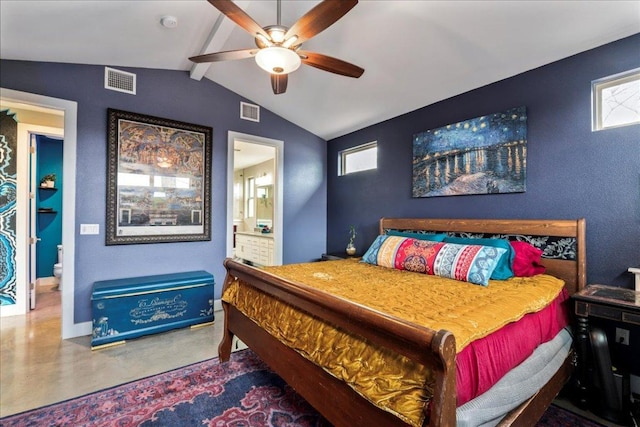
x=70 y=108
x=25 y=139
x=278 y=193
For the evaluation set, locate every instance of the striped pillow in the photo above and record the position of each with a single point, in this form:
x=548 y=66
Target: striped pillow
x=468 y=263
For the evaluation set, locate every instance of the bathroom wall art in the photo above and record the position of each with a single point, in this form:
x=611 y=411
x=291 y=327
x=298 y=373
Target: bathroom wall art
x=484 y=155
x=158 y=180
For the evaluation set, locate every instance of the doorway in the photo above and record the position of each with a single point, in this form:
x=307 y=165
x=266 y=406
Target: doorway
x=47 y=182
x=34 y=104
x=44 y=198
x=276 y=147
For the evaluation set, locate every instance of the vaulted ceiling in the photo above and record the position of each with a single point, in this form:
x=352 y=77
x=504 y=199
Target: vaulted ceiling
x=414 y=53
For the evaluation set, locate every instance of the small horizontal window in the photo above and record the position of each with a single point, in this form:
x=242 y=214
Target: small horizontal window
x=616 y=100
x=360 y=158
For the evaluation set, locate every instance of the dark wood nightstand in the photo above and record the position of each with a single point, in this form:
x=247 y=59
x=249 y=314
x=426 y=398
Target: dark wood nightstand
x=337 y=255
x=614 y=308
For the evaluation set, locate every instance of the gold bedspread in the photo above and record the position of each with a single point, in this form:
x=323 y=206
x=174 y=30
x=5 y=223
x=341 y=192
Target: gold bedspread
x=390 y=381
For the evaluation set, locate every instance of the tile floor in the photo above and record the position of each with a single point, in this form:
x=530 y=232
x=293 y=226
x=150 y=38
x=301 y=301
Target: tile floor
x=38 y=368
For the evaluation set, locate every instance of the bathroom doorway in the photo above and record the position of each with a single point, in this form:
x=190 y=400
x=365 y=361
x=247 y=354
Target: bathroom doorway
x=47 y=183
x=257 y=153
x=57 y=118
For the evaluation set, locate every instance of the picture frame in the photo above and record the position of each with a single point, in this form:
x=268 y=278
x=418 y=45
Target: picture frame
x=483 y=155
x=158 y=180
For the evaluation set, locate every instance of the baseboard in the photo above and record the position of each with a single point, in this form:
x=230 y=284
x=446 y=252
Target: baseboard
x=46 y=281
x=77 y=330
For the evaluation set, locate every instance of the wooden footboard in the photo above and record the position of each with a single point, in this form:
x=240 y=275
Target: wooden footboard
x=335 y=400
x=435 y=349
x=332 y=398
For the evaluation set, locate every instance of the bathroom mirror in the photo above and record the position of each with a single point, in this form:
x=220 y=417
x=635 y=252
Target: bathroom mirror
x=264 y=204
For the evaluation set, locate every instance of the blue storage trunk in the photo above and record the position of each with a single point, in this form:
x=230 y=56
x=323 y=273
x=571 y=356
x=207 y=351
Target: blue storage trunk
x=132 y=307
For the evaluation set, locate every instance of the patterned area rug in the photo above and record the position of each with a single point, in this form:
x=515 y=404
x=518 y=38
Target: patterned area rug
x=241 y=393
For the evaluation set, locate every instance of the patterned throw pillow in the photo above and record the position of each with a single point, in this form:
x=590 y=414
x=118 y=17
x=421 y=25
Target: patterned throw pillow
x=469 y=263
x=504 y=268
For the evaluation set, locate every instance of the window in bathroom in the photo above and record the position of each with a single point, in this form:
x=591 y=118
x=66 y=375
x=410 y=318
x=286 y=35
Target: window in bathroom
x=251 y=197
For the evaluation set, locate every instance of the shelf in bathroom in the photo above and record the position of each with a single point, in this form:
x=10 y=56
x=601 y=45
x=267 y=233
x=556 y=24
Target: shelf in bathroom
x=41 y=210
x=48 y=188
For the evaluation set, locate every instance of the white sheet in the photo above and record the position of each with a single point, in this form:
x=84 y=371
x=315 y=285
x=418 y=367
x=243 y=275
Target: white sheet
x=517 y=385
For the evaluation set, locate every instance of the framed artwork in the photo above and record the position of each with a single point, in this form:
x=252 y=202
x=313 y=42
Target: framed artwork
x=485 y=155
x=158 y=180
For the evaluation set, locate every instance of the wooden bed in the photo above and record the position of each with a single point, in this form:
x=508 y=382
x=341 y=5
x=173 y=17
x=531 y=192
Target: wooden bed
x=336 y=401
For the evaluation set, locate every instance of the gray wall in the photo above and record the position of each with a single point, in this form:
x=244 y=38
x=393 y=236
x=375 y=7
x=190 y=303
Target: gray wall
x=173 y=95
x=572 y=172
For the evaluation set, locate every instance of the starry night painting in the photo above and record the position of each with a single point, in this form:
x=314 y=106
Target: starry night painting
x=485 y=155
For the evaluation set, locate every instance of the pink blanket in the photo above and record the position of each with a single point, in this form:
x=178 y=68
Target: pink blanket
x=483 y=362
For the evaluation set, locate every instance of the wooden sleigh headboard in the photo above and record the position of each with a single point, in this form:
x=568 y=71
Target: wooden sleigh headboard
x=562 y=241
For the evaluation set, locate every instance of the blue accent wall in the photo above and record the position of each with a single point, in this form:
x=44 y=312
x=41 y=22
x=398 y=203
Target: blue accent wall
x=49 y=225
x=572 y=172
x=173 y=95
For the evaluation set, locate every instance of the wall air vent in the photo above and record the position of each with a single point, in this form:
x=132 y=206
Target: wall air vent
x=249 y=112
x=120 y=81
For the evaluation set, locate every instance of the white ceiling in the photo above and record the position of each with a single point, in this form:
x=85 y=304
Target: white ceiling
x=414 y=53
x=249 y=154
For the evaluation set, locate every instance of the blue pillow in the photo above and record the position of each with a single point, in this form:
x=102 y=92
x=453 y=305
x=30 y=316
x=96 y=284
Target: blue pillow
x=504 y=269
x=416 y=235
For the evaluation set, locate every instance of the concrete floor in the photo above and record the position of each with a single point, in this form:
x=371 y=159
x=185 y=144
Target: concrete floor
x=38 y=368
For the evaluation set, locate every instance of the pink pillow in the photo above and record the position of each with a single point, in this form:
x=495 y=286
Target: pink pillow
x=527 y=260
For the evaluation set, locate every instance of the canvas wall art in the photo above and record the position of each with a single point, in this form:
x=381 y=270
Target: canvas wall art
x=484 y=155
x=158 y=180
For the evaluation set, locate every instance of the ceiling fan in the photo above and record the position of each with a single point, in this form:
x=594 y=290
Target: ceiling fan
x=278 y=50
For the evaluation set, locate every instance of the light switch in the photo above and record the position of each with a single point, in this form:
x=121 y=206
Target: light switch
x=89 y=228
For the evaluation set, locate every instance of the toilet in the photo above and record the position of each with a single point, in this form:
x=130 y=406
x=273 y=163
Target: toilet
x=57 y=268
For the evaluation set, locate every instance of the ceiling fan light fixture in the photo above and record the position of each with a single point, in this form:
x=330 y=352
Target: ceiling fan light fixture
x=262 y=41
x=276 y=33
x=290 y=41
x=278 y=60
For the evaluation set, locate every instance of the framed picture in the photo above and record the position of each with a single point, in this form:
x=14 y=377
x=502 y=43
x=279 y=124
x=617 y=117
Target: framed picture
x=485 y=155
x=158 y=180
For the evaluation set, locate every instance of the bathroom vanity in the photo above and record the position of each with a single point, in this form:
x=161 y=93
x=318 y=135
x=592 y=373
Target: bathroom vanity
x=255 y=247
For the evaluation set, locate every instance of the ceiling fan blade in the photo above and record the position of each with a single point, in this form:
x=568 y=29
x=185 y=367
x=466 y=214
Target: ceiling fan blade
x=237 y=15
x=319 y=19
x=332 y=65
x=279 y=83
x=228 y=55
